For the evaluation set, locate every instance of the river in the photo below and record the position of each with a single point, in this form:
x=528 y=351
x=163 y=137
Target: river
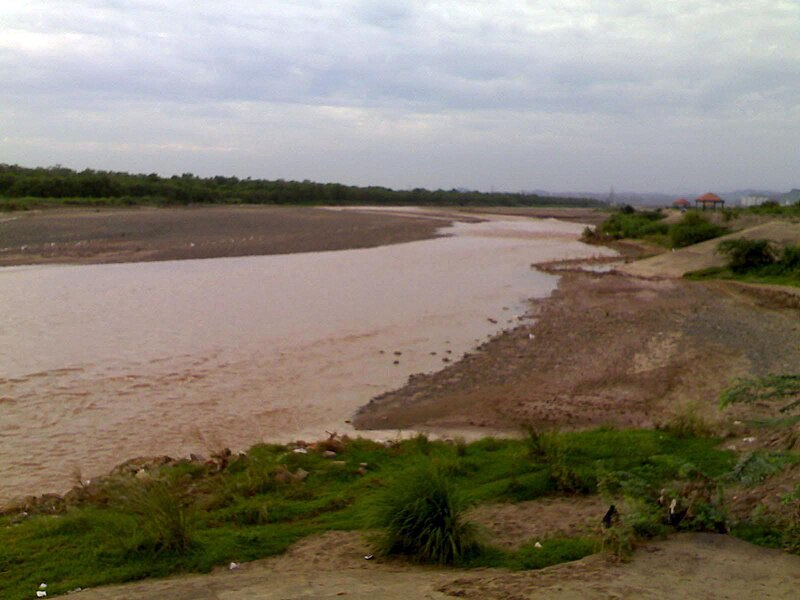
x=101 y=363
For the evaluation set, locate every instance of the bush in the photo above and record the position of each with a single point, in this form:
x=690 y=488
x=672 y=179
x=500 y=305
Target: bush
x=686 y=422
x=693 y=229
x=747 y=255
x=631 y=224
x=160 y=515
x=423 y=519
x=790 y=259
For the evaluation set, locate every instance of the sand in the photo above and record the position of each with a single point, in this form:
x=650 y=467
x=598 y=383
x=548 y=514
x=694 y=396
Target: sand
x=605 y=349
x=332 y=566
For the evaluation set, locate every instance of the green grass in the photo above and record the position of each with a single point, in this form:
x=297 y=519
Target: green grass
x=422 y=518
x=755 y=261
x=648 y=225
x=784 y=388
x=792 y=280
x=255 y=508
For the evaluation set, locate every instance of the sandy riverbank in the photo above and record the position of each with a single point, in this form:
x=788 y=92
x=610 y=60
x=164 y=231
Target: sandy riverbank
x=83 y=236
x=605 y=349
x=88 y=236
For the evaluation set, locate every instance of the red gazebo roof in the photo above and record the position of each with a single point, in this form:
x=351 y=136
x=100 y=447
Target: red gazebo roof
x=681 y=202
x=709 y=197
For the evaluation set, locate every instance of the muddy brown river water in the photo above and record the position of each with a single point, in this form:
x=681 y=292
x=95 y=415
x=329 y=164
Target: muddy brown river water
x=101 y=363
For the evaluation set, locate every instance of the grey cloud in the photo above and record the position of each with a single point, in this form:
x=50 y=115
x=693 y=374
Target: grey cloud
x=410 y=65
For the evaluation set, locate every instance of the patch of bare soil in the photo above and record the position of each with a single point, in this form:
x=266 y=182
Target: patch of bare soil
x=604 y=349
x=151 y=234
x=513 y=525
x=333 y=566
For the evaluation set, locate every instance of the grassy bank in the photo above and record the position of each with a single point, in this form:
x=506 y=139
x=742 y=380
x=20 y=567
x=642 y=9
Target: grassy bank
x=755 y=261
x=649 y=225
x=162 y=517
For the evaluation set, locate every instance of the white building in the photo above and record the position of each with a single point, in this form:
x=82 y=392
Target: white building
x=753 y=200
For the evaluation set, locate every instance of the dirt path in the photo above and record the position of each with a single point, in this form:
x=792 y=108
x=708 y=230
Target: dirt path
x=605 y=349
x=333 y=566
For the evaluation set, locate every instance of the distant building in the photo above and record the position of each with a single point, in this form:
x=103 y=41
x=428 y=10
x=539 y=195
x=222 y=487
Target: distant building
x=753 y=200
x=681 y=203
x=709 y=200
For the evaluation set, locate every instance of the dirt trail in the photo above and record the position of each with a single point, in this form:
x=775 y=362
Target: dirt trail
x=333 y=566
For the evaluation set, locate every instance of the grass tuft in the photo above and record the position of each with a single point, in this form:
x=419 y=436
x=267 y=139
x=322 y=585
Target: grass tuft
x=423 y=519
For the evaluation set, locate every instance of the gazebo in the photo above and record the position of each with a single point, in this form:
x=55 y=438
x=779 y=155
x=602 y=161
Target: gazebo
x=709 y=200
x=681 y=203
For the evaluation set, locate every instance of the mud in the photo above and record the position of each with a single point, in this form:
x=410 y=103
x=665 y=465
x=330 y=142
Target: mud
x=605 y=349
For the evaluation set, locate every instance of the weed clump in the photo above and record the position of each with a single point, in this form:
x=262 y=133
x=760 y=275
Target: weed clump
x=783 y=388
x=161 y=517
x=686 y=422
x=423 y=519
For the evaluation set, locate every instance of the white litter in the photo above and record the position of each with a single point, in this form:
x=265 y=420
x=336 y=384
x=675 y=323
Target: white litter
x=41 y=594
x=537 y=545
x=42 y=586
x=300 y=451
x=233 y=566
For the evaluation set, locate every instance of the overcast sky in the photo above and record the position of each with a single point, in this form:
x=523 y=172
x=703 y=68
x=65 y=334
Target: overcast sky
x=677 y=95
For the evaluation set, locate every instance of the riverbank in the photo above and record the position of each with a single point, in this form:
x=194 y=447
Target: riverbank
x=120 y=235
x=605 y=349
x=92 y=236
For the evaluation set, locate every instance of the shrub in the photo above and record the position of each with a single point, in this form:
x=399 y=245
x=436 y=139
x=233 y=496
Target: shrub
x=632 y=224
x=790 y=259
x=747 y=255
x=686 y=422
x=160 y=515
x=692 y=229
x=423 y=519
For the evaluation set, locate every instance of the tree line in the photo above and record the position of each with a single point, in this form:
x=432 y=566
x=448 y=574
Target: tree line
x=53 y=183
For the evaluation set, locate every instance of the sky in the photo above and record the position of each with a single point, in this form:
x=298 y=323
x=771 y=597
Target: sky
x=563 y=95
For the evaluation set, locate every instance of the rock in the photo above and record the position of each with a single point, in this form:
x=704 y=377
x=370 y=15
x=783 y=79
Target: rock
x=233 y=566
x=361 y=471
x=300 y=475
x=142 y=475
x=329 y=454
x=300 y=451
